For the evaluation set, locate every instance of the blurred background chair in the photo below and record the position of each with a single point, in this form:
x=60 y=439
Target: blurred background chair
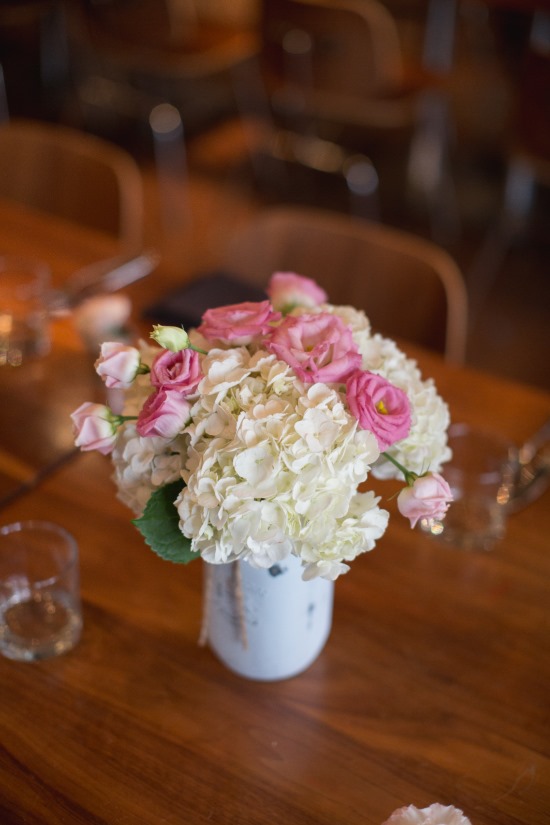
x=129 y=56
x=75 y=175
x=408 y=287
x=527 y=165
x=34 y=54
x=332 y=74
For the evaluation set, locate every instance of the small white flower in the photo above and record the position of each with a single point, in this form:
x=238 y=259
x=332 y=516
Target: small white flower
x=435 y=814
x=318 y=430
x=224 y=369
x=259 y=467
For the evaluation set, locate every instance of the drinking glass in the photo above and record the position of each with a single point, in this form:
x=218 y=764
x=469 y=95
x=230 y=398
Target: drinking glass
x=24 y=332
x=480 y=477
x=40 y=613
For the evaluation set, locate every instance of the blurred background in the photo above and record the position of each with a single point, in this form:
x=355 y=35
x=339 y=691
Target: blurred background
x=427 y=115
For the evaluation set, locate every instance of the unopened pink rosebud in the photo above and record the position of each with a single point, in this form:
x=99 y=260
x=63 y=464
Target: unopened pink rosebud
x=95 y=427
x=288 y=290
x=117 y=364
x=428 y=497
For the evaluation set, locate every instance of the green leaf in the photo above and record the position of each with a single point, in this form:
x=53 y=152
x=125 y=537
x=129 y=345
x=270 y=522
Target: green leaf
x=158 y=525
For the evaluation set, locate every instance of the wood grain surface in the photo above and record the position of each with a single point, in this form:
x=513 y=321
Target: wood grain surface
x=433 y=686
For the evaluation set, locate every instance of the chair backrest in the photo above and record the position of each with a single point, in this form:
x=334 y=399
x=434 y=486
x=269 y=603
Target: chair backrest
x=337 y=62
x=408 y=287
x=74 y=175
x=352 y=46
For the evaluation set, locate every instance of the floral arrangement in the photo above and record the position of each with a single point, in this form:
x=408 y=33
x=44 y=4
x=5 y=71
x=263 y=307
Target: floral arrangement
x=249 y=437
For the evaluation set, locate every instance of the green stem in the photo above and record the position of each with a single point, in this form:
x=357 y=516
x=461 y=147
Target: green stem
x=119 y=420
x=409 y=476
x=197 y=349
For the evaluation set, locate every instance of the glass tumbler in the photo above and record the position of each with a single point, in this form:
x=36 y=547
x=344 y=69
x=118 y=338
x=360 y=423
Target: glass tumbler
x=40 y=612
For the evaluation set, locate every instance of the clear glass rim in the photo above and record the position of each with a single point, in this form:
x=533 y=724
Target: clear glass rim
x=509 y=449
x=46 y=526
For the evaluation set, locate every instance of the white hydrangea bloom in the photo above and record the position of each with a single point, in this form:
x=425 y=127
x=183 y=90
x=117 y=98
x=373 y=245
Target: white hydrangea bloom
x=327 y=542
x=269 y=462
x=142 y=465
x=425 y=448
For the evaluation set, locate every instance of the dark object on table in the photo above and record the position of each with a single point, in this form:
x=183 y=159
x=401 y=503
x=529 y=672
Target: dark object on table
x=186 y=305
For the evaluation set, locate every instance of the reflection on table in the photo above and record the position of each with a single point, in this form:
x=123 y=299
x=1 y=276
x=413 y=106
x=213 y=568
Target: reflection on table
x=38 y=396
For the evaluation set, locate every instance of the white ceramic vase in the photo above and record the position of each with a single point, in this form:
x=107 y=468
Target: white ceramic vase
x=266 y=624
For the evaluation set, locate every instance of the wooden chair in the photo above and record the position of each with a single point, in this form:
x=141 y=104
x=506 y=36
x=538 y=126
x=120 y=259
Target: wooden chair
x=328 y=56
x=74 y=175
x=408 y=287
x=334 y=70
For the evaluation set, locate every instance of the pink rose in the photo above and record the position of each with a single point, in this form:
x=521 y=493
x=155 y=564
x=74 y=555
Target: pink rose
x=238 y=324
x=379 y=406
x=288 y=290
x=429 y=497
x=164 y=413
x=317 y=347
x=95 y=427
x=117 y=365
x=176 y=371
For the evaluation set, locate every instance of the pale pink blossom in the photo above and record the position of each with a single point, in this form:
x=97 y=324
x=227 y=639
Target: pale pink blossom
x=435 y=814
x=176 y=371
x=164 y=413
x=428 y=497
x=319 y=348
x=238 y=324
x=95 y=427
x=288 y=290
x=379 y=406
x=118 y=364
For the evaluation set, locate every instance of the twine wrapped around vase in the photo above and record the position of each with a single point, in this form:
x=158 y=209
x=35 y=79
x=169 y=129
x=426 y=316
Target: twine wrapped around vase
x=236 y=594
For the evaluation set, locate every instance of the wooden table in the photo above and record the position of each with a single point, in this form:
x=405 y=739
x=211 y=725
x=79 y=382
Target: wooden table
x=44 y=390
x=433 y=687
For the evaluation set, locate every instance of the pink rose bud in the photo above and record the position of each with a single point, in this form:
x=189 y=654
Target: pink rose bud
x=429 y=497
x=117 y=365
x=379 y=406
x=238 y=324
x=95 y=427
x=288 y=290
x=318 y=347
x=176 y=371
x=164 y=413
